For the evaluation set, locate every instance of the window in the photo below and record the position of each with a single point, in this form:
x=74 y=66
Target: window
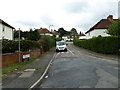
x=3 y=28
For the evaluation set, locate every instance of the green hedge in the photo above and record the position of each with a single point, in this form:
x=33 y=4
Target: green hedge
x=108 y=45
x=47 y=42
x=58 y=39
x=10 y=46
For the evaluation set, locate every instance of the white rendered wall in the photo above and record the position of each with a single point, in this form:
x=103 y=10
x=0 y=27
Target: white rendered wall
x=1 y=31
x=8 y=32
x=97 y=32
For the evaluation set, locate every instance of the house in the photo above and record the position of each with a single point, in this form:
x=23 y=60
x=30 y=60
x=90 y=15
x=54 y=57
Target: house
x=44 y=31
x=6 y=30
x=71 y=37
x=55 y=33
x=100 y=28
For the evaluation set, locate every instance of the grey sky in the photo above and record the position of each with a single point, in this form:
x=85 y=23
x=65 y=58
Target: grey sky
x=79 y=14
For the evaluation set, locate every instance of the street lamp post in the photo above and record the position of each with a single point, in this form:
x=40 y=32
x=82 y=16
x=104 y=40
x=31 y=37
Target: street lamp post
x=49 y=27
x=19 y=46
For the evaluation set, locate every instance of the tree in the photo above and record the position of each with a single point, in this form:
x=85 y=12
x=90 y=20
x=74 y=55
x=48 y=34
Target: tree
x=34 y=35
x=80 y=33
x=28 y=35
x=61 y=32
x=16 y=34
x=114 y=28
x=73 y=31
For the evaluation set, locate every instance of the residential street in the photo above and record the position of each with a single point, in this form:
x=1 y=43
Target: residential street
x=76 y=68
x=79 y=68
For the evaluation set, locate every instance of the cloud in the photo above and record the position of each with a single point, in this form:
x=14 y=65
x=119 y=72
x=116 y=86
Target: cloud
x=76 y=7
x=79 y=14
x=28 y=23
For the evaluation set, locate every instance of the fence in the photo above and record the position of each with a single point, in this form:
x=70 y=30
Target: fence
x=12 y=58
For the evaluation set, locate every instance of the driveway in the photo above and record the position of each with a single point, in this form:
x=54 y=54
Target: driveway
x=79 y=68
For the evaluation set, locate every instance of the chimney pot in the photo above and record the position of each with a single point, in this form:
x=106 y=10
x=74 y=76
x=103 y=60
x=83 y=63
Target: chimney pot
x=110 y=17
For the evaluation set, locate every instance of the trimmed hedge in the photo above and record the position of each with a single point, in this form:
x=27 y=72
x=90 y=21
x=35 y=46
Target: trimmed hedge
x=107 y=45
x=10 y=46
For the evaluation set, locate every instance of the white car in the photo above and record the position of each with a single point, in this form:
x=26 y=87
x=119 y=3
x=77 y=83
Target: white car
x=61 y=46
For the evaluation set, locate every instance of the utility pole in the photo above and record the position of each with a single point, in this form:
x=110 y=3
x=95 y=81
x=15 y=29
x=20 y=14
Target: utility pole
x=19 y=46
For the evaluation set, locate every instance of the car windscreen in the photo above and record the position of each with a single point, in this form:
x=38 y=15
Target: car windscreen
x=60 y=43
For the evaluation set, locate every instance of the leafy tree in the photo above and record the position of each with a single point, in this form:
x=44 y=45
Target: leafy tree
x=28 y=35
x=80 y=33
x=62 y=32
x=73 y=31
x=47 y=42
x=68 y=32
x=114 y=28
x=16 y=34
x=33 y=35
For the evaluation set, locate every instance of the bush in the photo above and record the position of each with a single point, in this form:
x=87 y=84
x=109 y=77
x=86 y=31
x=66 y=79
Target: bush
x=58 y=39
x=47 y=42
x=108 y=45
x=27 y=45
x=10 y=46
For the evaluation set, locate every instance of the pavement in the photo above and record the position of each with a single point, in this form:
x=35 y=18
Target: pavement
x=27 y=76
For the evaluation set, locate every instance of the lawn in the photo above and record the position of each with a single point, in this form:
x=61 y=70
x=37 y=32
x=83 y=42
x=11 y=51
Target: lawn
x=10 y=68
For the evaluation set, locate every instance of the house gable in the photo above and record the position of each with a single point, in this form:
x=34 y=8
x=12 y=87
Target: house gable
x=102 y=24
x=6 y=30
x=44 y=31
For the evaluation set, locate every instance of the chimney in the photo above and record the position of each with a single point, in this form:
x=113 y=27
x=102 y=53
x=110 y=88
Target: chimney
x=110 y=17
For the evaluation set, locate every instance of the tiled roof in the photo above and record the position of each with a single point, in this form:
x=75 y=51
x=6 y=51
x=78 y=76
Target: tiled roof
x=43 y=30
x=75 y=35
x=4 y=23
x=54 y=32
x=102 y=24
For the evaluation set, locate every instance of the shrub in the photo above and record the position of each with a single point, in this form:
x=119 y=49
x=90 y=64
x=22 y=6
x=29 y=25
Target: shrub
x=26 y=45
x=10 y=46
x=47 y=42
x=109 y=45
x=58 y=39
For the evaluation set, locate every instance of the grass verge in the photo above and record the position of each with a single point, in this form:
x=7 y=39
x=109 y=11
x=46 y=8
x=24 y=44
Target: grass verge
x=12 y=67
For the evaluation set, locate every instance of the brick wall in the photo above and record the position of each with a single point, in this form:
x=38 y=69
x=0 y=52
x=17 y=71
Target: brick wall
x=12 y=58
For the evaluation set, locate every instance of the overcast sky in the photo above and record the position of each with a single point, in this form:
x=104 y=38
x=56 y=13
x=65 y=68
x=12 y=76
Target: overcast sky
x=79 y=14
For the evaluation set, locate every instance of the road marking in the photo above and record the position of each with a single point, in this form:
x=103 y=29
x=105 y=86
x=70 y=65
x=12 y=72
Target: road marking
x=71 y=52
x=43 y=73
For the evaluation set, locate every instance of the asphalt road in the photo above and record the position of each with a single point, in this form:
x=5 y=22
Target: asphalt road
x=78 y=68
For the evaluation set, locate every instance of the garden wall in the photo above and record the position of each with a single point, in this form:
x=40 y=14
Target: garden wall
x=12 y=58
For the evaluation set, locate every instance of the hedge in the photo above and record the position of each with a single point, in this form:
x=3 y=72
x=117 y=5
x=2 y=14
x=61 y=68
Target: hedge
x=10 y=46
x=105 y=45
x=47 y=42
